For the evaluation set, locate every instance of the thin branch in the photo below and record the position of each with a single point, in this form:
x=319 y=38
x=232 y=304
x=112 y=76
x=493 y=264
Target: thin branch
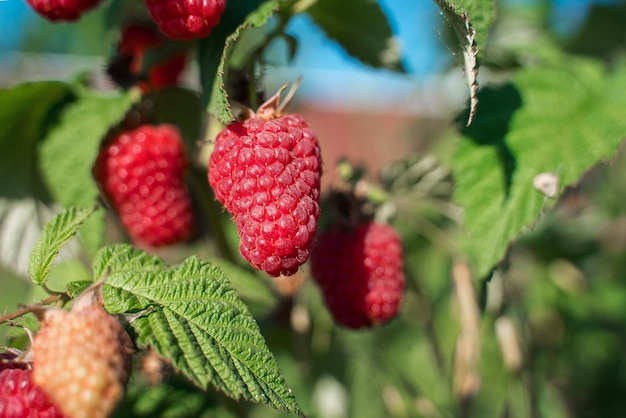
x=30 y=308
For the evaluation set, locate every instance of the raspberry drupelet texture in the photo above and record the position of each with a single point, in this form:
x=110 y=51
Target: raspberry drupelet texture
x=20 y=398
x=360 y=273
x=142 y=174
x=64 y=10
x=82 y=360
x=267 y=173
x=186 y=19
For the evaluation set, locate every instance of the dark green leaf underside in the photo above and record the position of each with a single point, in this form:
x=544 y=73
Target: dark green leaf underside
x=361 y=28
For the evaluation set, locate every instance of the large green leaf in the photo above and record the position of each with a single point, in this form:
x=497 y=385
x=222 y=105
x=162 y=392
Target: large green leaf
x=361 y=28
x=193 y=317
x=28 y=111
x=69 y=152
x=250 y=287
x=560 y=119
x=215 y=50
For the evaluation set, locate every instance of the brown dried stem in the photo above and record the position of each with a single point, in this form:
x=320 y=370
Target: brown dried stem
x=467 y=358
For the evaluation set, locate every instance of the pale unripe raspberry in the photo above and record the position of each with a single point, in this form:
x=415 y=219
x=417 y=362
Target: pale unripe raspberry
x=81 y=360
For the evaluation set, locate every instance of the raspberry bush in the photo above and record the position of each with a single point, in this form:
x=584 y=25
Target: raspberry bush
x=178 y=238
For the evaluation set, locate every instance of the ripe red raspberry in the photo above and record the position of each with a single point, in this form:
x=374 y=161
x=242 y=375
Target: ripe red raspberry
x=142 y=174
x=186 y=19
x=20 y=398
x=126 y=69
x=82 y=358
x=62 y=9
x=360 y=273
x=266 y=172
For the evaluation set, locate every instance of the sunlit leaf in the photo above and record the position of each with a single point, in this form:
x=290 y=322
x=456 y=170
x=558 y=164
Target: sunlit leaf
x=62 y=228
x=193 y=317
x=561 y=120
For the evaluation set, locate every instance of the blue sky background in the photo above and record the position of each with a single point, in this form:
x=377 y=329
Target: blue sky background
x=416 y=22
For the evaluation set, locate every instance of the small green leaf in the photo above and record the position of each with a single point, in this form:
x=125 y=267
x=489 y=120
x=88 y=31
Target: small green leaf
x=62 y=228
x=558 y=120
x=68 y=153
x=215 y=50
x=361 y=28
x=75 y=288
x=195 y=319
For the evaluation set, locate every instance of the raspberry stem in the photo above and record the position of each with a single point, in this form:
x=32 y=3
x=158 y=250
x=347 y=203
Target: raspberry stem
x=213 y=209
x=32 y=308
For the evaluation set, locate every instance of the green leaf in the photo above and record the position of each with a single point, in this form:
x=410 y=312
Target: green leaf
x=194 y=318
x=181 y=108
x=250 y=287
x=75 y=288
x=62 y=228
x=470 y=28
x=361 y=28
x=173 y=398
x=480 y=14
x=28 y=111
x=68 y=154
x=559 y=120
x=214 y=51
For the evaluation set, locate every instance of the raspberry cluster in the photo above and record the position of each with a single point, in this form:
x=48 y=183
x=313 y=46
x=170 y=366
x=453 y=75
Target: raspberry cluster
x=77 y=366
x=267 y=173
